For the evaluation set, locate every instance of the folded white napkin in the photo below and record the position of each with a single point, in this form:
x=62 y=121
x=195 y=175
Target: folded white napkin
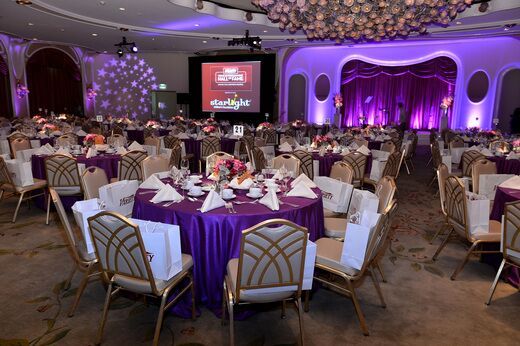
x=473 y=148
x=246 y=184
x=363 y=150
x=353 y=146
x=270 y=200
x=182 y=135
x=486 y=152
x=278 y=175
x=166 y=194
x=249 y=166
x=512 y=183
x=81 y=133
x=345 y=151
x=44 y=151
x=49 y=148
x=91 y=152
x=152 y=183
x=101 y=147
x=380 y=138
x=302 y=190
x=136 y=146
x=285 y=147
x=385 y=137
x=513 y=156
x=212 y=201
x=302 y=178
x=170 y=127
x=121 y=150
x=63 y=151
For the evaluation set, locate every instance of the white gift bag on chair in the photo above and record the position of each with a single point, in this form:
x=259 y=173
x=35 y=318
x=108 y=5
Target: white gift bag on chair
x=119 y=196
x=357 y=237
x=21 y=172
x=336 y=194
x=82 y=211
x=477 y=213
x=376 y=171
x=162 y=243
x=362 y=200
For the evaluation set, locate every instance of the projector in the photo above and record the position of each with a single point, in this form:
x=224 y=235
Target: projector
x=252 y=42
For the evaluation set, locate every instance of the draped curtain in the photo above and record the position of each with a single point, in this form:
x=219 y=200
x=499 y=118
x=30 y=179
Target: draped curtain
x=420 y=87
x=5 y=91
x=54 y=82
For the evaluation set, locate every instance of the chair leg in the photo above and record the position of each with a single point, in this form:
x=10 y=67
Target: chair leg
x=108 y=298
x=71 y=275
x=461 y=266
x=378 y=266
x=158 y=325
x=438 y=233
x=433 y=180
x=18 y=207
x=407 y=169
x=48 y=208
x=443 y=244
x=283 y=309
x=307 y=297
x=81 y=288
x=378 y=288
x=1 y=194
x=494 y=285
x=298 y=303
x=192 y=298
x=359 y=313
x=429 y=161
x=231 y=323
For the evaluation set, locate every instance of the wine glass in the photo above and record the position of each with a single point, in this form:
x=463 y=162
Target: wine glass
x=185 y=166
x=286 y=177
x=269 y=165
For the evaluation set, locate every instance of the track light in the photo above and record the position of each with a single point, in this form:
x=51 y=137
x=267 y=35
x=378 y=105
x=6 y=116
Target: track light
x=134 y=48
x=123 y=47
x=252 y=42
x=120 y=52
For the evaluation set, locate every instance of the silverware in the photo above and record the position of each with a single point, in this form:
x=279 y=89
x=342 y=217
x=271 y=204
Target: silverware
x=146 y=192
x=241 y=202
x=290 y=204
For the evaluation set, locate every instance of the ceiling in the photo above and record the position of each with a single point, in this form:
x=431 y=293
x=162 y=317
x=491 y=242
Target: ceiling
x=176 y=25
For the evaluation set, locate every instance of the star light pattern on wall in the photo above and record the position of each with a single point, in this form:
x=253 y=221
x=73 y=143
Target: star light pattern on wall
x=124 y=86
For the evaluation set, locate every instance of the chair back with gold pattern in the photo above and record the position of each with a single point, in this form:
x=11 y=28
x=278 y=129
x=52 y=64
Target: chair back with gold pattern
x=148 y=132
x=342 y=171
x=16 y=135
x=456 y=205
x=442 y=174
x=258 y=157
x=289 y=140
x=171 y=142
x=388 y=146
x=270 y=136
x=154 y=142
x=120 y=251
x=483 y=166
x=116 y=140
x=67 y=140
x=392 y=164
x=272 y=257
x=154 y=164
x=346 y=140
x=5 y=175
x=456 y=142
x=175 y=156
x=468 y=158
x=511 y=232
x=63 y=174
x=290 y=162
x=117 y=130
x=360 y=142
x=18 y=144
x=93 y=178
x=130 y=165
x=209 y=146
x=385 y=191
x=501 y=146
x=358 y=162
x=212 y=160
x=260 y=142
x=306 y=163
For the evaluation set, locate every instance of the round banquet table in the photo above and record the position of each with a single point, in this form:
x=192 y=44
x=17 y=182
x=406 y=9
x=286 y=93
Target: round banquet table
x=503 y=196
x=213 y=238
x=505 y=166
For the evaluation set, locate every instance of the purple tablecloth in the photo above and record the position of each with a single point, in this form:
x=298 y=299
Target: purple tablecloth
x=135 y=135
x=503 y=196
x=213 y=238
x=506 y=166
x=326 y=161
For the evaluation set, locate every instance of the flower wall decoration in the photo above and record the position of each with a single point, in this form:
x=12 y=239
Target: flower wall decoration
x=370 y=20
x=91 y=93
x=21 y=90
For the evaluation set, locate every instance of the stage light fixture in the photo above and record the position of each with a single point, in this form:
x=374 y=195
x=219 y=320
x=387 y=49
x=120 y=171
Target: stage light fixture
x=126 y=47
x=252 y=42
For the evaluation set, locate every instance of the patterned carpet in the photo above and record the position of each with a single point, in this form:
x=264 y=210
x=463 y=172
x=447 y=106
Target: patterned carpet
x=423 y=305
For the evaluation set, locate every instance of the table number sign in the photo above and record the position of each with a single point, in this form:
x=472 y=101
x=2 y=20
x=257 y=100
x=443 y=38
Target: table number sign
x=99 y=118
x=238 y=130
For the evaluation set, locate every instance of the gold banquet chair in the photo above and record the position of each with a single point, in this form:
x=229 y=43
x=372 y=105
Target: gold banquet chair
x=343 y=278
x=442 y=175
x=290 y=162
x=7 y=185
x=154 y=164
x=92 y=179
x=270 y=268
x=130 y=165
x=83 y=261
x=358 y=162
x=468 y=158
x=270 y=136
x=510 y=242
x=391 y=169
x=456 y=209
x=258 y=159
x=483 y=166
x=306 y=163
x=212 y=160
x=19 y=144
x=116 y=140
x=154 y=142
x=67 y=140
x=388 y=146
x=208 y=146
x=124 y=266
x=343 y=172
x=62 y=176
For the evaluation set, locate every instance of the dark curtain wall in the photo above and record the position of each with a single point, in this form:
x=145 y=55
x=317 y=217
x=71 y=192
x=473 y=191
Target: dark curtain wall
x=6 y=110
x=421 y=88
x=54 y=82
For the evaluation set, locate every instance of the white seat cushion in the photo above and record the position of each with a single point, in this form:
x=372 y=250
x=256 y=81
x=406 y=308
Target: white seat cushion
x=492 y=235
x=335 y=227
x=328 y=253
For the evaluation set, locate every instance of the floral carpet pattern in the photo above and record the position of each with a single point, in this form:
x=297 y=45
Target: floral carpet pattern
x=424 y=305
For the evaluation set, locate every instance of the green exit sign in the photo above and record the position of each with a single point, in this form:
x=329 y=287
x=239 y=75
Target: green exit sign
x=162 y=86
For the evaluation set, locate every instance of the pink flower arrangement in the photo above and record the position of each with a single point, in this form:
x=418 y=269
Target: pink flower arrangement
x=178 y=118
x=93 y=138
x=209 y=129
x=49 y=127
x=447 y=102
x=338 y=100
x=516 y=145
x=491 y=134
x=152 y=123
x=265 y=125
x=229 y=167
x=41 y=120
x=297 y=124
x=21 y=90
x=321 y=140
x=36 y=117
x=210 y=121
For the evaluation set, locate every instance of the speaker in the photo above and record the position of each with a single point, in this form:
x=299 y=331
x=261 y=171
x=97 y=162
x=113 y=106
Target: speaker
x=183 y=98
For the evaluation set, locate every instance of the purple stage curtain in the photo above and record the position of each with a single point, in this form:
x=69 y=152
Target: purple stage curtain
x=421 y=88
x=5 y=91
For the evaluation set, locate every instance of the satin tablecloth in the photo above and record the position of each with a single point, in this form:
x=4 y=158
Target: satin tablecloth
x=505 y=166
x=213 y=238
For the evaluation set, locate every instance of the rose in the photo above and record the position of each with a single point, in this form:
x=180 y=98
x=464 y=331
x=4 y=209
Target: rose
x=209 y=129
x=229 y=167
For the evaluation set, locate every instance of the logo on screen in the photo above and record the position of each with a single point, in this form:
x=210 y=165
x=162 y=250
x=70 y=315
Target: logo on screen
x=230 y=103
x=230 y=75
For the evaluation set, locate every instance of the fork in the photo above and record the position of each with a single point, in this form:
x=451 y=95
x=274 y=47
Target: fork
x=241 y=202
x=290 y=204
x=229 y=207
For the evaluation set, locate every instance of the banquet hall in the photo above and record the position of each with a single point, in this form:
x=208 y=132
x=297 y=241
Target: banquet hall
x=259 y=172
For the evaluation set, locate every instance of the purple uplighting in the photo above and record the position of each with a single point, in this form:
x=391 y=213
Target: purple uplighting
x=193 y=24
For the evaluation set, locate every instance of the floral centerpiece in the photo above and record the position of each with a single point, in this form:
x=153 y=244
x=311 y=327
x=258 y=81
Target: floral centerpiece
x=48 y=128
x=297 y=124
x=516 y=145
x=355 y=131
x=446 y=102
x=338 y=101
x=229 y=169
x=488 y=135
x=153 y=124
x=39 y=120
x=210 y=129
x=210 y=121
x=264 y=126
x=178 y=118
x=318 y=141
x=92 y=139
x=472 y=131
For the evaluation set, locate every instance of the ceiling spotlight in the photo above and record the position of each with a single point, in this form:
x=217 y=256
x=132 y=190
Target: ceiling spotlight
x=24 y=2
x=196 y=24
x=508 y=27
x=204 y=41
x=483 y=7
x=94 y=34
x=126 y=47
x=122 y=9
x=249 y=16
x=200 y=4
x=252 y=42
x=30 y=24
